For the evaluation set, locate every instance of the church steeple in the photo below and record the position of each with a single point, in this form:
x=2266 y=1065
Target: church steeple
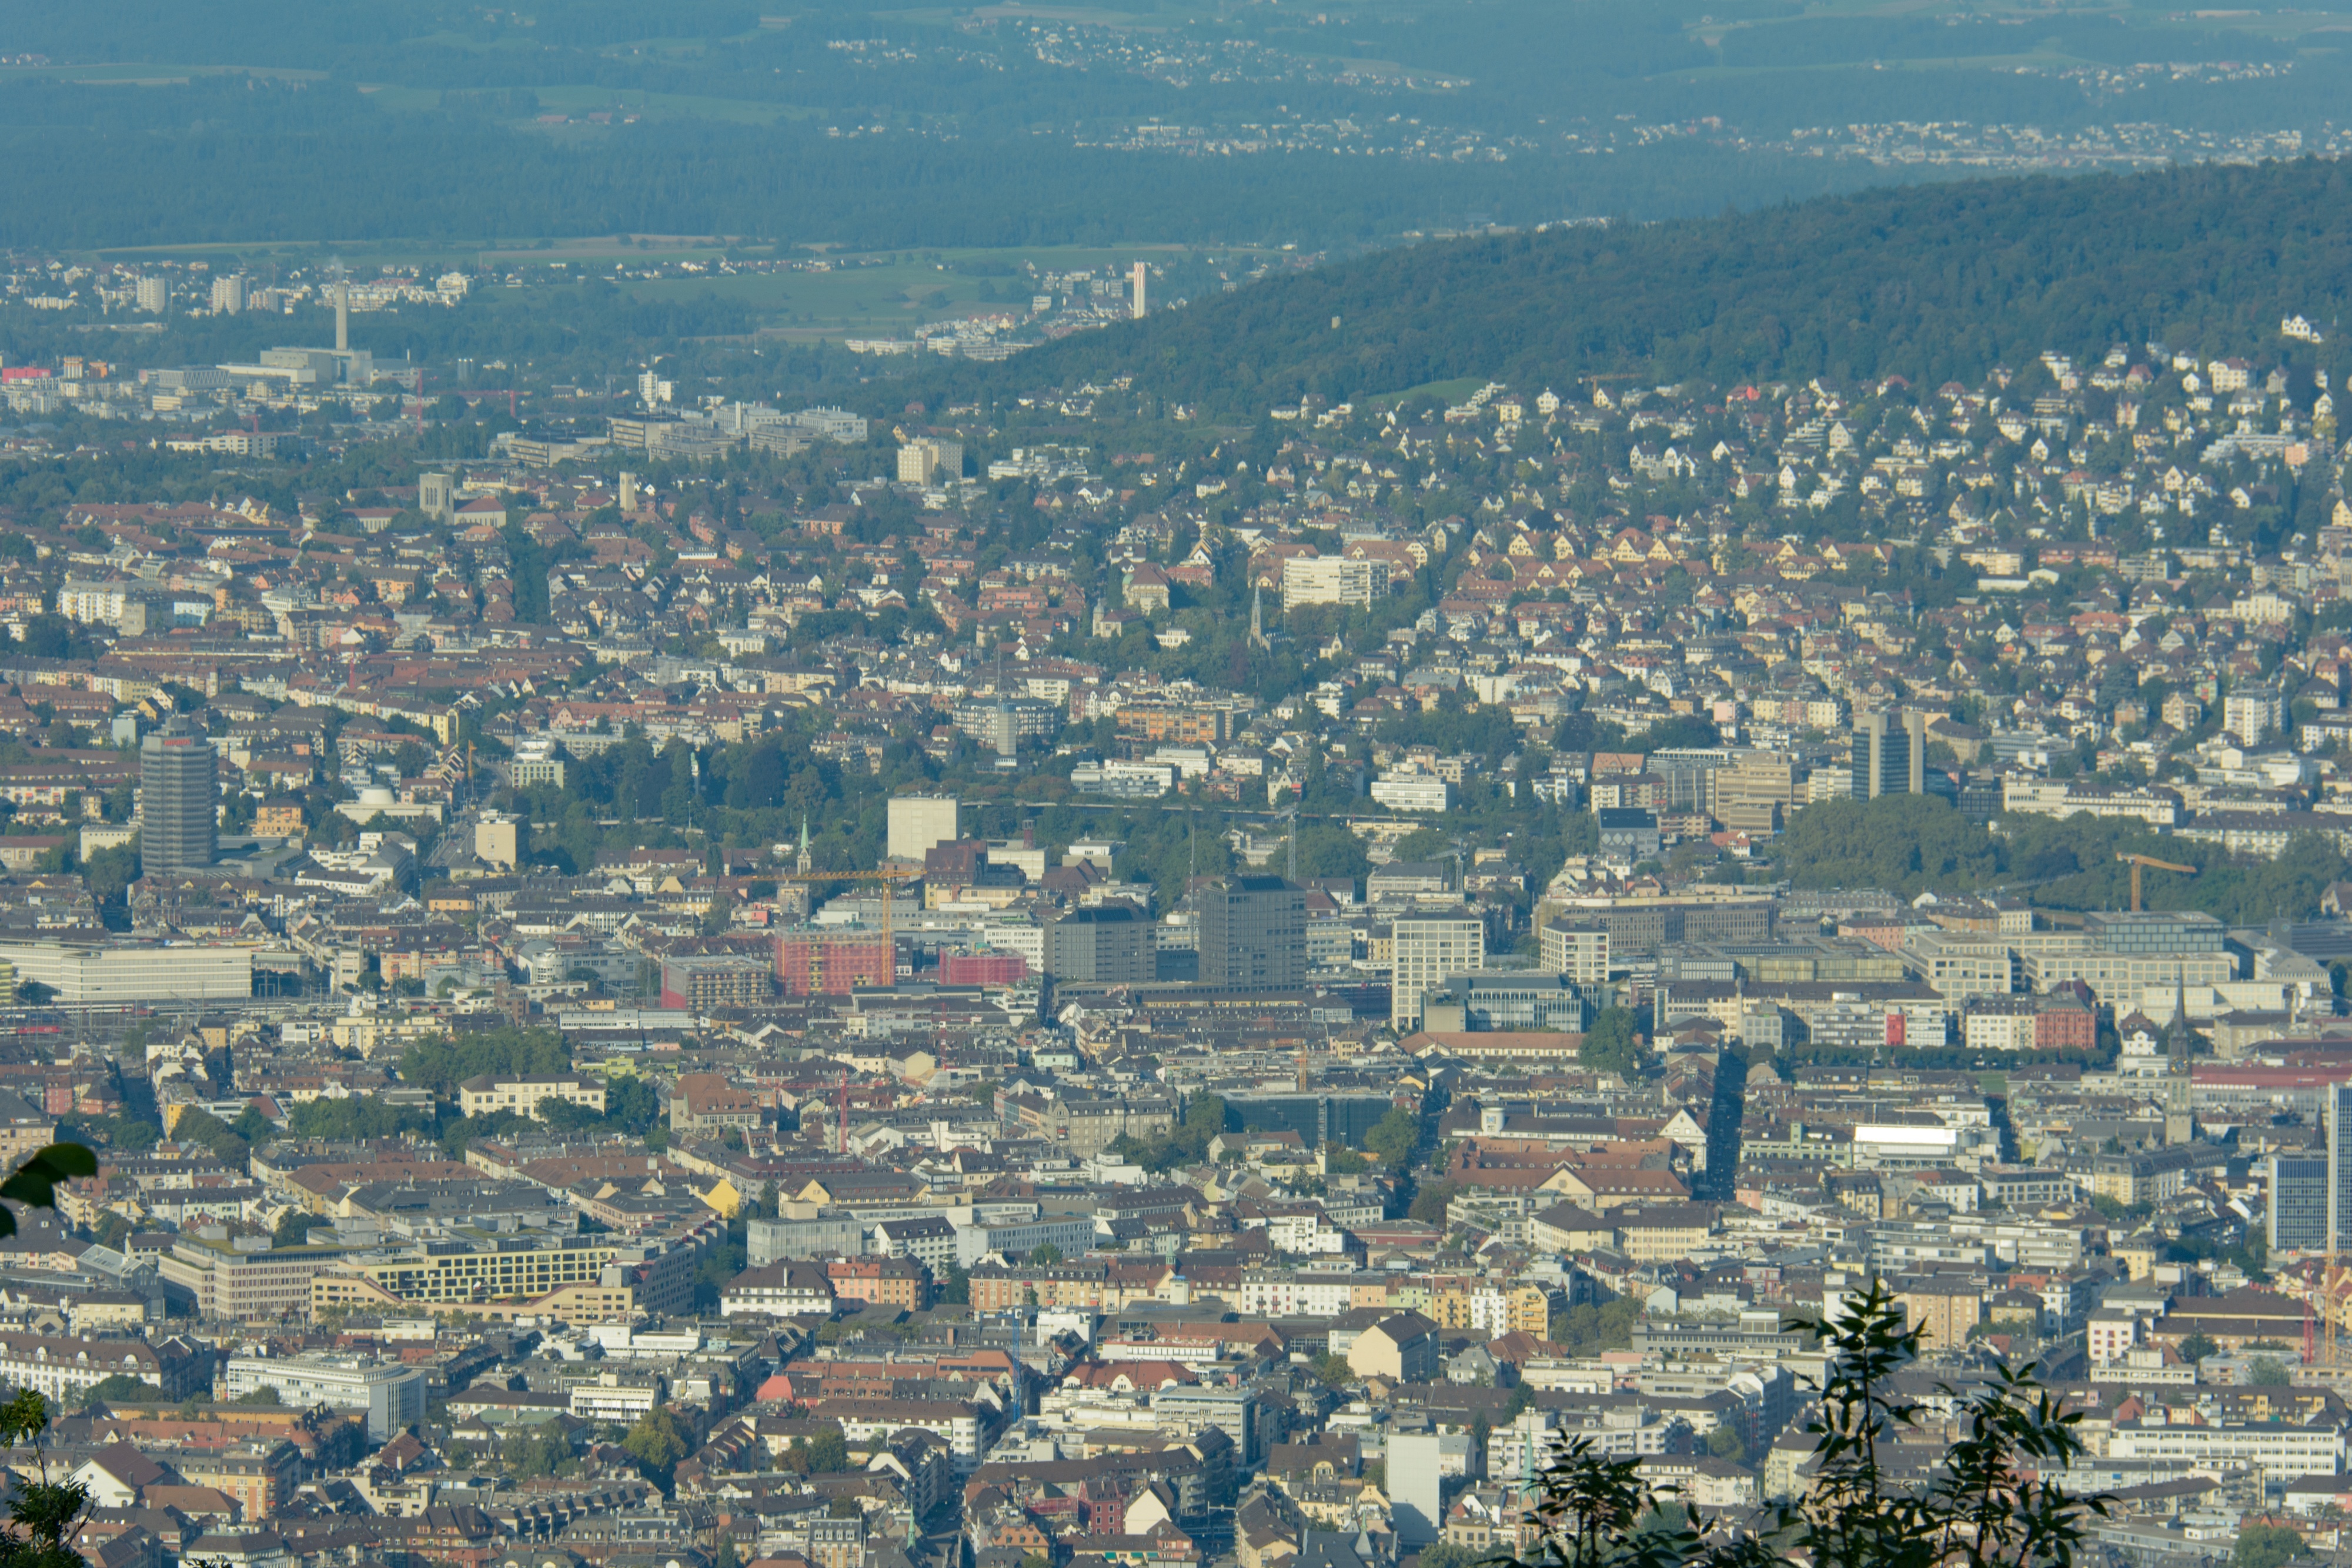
x=805 y=865
x=2177 y=1041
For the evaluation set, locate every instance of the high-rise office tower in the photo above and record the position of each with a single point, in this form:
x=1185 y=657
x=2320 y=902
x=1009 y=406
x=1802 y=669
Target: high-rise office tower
x=179 y=798
x=1253 y=933
x=1890 y=754
x=2340 y=1165
x=2298 y=1207
x=1428 y=951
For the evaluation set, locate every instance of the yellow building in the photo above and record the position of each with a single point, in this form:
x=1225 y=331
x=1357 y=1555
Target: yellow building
x=575 y=1303
x=463 y=1274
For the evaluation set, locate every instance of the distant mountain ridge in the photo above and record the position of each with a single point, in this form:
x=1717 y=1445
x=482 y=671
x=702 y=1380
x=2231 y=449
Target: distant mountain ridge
x=1932 y=283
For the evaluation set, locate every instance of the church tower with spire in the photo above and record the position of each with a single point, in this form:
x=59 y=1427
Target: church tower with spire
x=2180 y=1123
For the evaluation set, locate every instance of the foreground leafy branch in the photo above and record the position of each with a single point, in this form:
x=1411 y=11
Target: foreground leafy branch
x=1993 y=1502
x=44 y=1511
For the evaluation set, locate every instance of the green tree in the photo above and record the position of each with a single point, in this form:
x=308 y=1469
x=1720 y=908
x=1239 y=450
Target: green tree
x=1395 y=1137
x=2197 y=1347
x=258 y=1396
x=1598 y=1512
x=1725 y=1444
x=1589 y=1330
x=1429 y=1204
x=1447 y=1554
x=535 y=1451
x=2268 y=1372
x=1046 y=1252
x=441 y=1063
x=120 y=1388
x=1612 y=1044
x=209 y=1132
x=656 y=1442
x=2265 y=1546
x=828 y=1452
x=45 y=1508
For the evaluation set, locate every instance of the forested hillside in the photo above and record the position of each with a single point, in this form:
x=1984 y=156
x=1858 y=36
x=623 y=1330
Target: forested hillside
x=1931 y=283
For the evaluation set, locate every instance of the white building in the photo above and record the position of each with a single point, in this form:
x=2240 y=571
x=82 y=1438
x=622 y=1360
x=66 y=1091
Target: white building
x=1124 y=780
x=2283 y=1452
x=100 y=975
x=1579 y=953
x=392 y=1395
x=926 y=460
x=1333 y=579
x=1286 y=1293
x=919 y=823
x=1413 y=792
x=619 y=1398
x=1427 y=952
x=480 y=1097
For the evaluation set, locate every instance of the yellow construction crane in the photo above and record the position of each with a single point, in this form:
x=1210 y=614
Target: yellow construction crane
x=2333 y=1284
x=881 y=874
x=2138 y=861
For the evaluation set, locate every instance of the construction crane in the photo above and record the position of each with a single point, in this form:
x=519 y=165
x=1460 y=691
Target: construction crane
x=2333 y=1288
x=2137 y=862
x=881 y=874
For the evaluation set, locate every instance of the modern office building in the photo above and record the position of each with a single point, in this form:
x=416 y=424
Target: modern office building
x=392 y=1395
x=1428 y=951
x=2339 y=1163
x=2299 y=1187
x=1512 y=1001
x=1253 y=933
x=1340 y=1115
x=1106 y=945
x=1890 y=754
x=2125 y=956
x=95 y=977
x=1576 y=951
x=926 y=460
x=179 y=800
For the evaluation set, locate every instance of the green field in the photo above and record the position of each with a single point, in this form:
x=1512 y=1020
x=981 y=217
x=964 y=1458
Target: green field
x=903 y=291
x=1449 y=392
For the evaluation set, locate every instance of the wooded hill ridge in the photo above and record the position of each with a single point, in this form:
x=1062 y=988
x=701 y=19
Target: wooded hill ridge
x=1932 y=283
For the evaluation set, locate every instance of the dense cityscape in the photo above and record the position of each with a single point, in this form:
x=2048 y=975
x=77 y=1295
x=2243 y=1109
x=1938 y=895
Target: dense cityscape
x=1043 y=982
